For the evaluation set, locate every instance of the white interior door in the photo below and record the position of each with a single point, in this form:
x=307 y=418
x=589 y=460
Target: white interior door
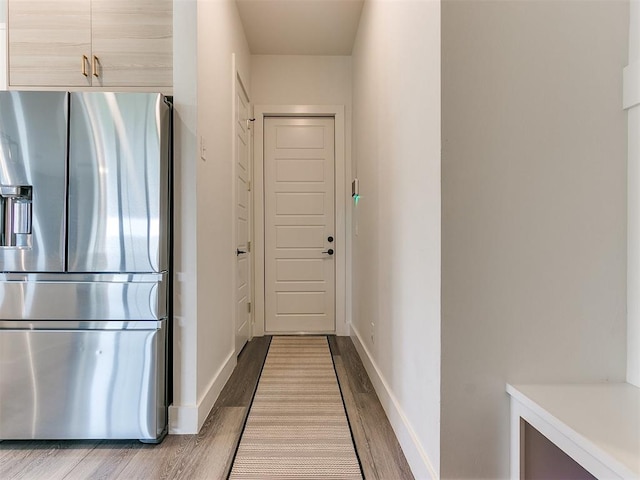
x=242 y=216
x=299 y=163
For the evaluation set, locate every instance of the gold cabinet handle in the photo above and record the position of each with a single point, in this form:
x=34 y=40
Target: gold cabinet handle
x=85 y=61
x=95 y=65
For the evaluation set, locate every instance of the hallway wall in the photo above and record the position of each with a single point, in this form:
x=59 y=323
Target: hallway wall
x=396 y=226
x=534 y=211
x=301 y=79
x=185 y=313
x=204 y=340
x=220 y=35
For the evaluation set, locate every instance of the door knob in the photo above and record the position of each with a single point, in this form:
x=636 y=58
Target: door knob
x=239 y=252
x=330 y=251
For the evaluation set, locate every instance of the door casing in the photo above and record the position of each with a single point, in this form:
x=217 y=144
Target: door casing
x=342 y=204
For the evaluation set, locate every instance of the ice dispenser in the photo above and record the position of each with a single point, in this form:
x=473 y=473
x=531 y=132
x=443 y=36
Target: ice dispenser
x=15 y=215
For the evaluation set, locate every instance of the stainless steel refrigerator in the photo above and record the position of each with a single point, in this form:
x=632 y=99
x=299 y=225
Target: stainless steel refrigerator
x=84 y=265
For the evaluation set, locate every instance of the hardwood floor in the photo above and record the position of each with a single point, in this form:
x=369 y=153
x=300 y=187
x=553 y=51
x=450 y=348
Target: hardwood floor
x=380 y=454
x=209 y=454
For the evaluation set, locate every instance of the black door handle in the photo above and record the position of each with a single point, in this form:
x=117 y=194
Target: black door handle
x=239 y=252
x=330 y=251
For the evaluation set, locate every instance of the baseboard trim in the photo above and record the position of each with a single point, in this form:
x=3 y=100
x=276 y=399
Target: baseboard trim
x=183 y=419
x=415 y=454
x=215 y=387
x=188 y=419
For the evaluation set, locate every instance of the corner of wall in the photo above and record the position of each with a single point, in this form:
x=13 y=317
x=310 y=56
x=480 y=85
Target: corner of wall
x=188 y=419
x=185 y=328
x=631 y=99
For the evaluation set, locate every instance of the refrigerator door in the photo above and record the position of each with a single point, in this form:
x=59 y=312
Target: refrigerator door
x=118 y=182
x=33 y=151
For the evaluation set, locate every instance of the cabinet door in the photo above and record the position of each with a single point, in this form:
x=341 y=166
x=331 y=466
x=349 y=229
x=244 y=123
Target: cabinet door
x=133 y=42
x=47 y=42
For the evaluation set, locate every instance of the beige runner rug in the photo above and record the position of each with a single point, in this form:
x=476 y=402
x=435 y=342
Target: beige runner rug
x=297 y=427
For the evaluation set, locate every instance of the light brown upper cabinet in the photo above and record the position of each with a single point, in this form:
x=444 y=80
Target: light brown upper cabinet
x=91 y=43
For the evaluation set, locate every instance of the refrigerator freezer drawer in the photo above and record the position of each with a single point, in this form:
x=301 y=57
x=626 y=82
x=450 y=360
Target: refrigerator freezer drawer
x=82 y=384
x=56 y=297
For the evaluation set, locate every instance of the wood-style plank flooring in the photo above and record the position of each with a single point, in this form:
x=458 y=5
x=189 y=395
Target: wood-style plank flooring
x=209 y=454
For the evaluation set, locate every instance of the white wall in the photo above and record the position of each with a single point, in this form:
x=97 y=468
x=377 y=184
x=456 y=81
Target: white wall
x=183 y=413
x=204 y=340
x=220 y=35
x=534 y=211
x=396 y=150
x=632 y=103
x=301 y=79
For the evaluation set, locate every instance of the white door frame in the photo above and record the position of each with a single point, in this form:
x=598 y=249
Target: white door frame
x=341 y=191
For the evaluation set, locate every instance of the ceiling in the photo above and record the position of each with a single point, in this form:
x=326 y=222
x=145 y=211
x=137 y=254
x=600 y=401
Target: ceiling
x=300 y=27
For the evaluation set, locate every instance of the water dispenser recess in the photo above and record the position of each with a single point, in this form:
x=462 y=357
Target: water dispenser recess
x=15 y=215
x=22 y=217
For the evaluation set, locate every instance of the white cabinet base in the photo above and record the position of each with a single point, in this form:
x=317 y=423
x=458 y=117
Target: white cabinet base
x=597 y=425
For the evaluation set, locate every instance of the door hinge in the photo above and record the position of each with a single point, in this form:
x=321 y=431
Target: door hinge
x=249 y=307
x=248 y=246
x=249 y=185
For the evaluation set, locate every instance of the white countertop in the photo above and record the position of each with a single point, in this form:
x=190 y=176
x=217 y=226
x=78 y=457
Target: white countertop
x=603 y=419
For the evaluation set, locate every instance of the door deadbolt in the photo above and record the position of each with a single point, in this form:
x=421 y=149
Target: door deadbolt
x=330 y=239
